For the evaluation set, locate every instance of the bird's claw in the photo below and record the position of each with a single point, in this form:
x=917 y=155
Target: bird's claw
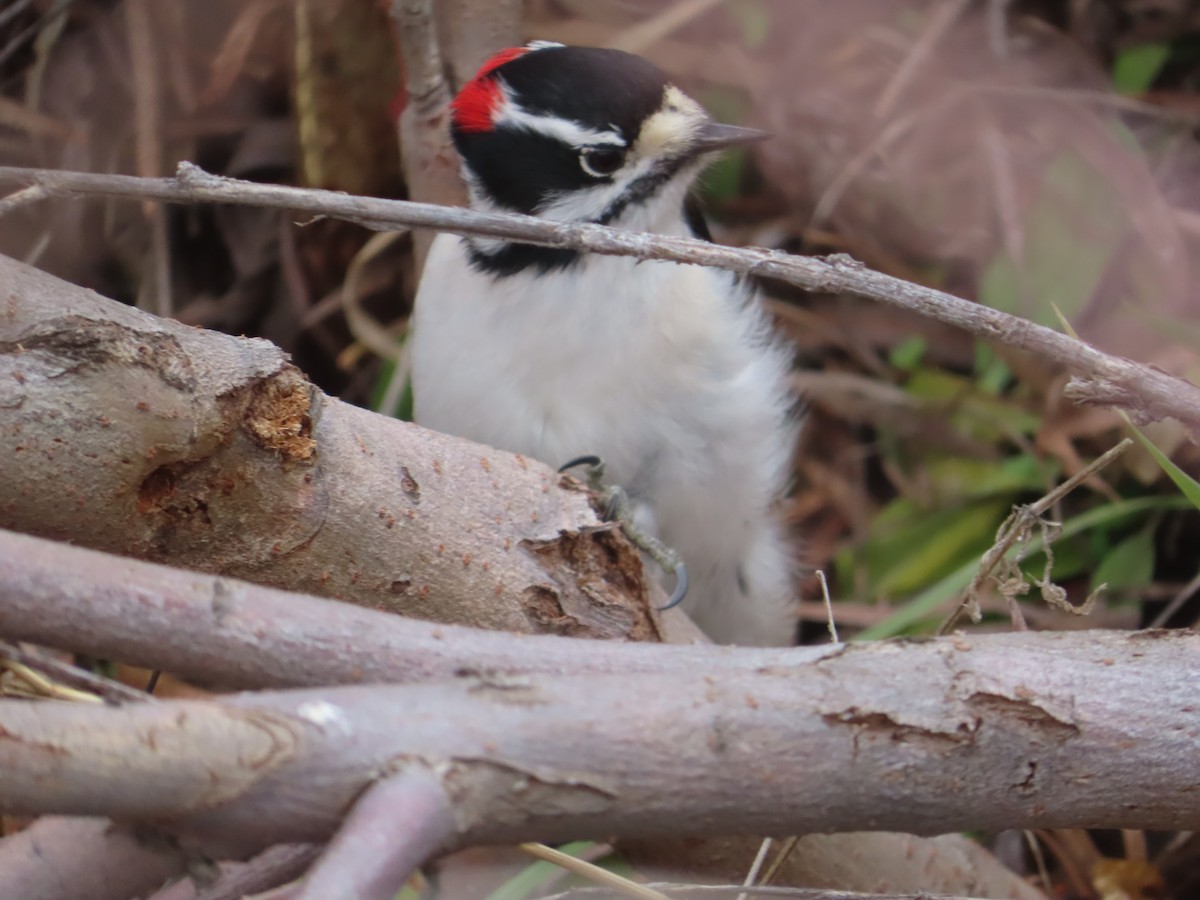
x=591 y=460
x=617 y=508
x=681 y=586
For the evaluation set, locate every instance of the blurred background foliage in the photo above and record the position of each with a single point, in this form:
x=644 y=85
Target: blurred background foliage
x=1039 y=156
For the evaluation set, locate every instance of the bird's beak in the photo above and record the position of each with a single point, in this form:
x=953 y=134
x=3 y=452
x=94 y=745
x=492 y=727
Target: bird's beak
x=715 y=136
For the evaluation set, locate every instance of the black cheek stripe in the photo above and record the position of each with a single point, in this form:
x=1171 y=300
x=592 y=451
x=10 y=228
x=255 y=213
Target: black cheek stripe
x=512 y=259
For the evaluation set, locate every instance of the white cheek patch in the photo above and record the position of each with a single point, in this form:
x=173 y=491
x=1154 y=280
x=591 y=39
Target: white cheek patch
x=667 y=133
x=510 y=113
x=670 y=130
x=580 y=206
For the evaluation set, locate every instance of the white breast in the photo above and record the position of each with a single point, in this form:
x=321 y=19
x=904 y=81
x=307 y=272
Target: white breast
x=657 y=368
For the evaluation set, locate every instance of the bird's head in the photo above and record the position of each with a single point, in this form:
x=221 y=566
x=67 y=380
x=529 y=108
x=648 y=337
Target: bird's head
x=582 y=134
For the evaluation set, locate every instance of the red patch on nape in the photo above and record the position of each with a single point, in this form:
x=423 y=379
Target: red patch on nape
x=500 y=59
x=476 y=103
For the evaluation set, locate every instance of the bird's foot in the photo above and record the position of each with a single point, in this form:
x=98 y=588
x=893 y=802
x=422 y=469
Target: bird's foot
x=618 y=508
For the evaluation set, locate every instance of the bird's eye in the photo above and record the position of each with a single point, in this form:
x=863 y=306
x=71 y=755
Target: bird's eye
x=600 y=162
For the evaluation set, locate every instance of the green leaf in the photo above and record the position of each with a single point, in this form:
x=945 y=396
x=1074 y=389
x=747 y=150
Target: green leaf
x=911 y=544
x=1000 y=286
x=1128 y=565
x=1187 y=485
x=403 y=407
x=935 y=600
x=1136 y=68
x=982 y=416
x=929 y=545
x=722 y=180
x=1075 y=228
x=753 y=20
x=907 y=355
x=958 y=477
x=992 y=374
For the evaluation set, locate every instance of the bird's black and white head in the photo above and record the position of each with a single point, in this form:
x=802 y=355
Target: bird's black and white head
x=580 y=134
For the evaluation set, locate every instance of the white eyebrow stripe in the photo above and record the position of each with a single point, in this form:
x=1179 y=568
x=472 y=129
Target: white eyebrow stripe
x=513 y=114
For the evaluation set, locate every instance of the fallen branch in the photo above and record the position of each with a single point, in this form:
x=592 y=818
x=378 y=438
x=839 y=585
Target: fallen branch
x=693 y=891
x=148 y=438
x=397 y=824
x=215 y=630
x=57 y=858
x=100 y=462
x=989 y=732
x=1145 y=392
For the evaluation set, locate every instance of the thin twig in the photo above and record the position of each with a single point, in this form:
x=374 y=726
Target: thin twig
x=733 y=890
x=829 y=618
x=785 y=850
x=1176 y=603
x=1100 y=378
x=1016 y=528
x=755 y=867
x=593 y=872
x=368 y=330
x=281 y=864
x=153 y=616
x=24 y=197
x=14 y=10
x=33 y=684
x=941 y=19
x=147 y=103
x=653 y=29
x=93 y=687
x=1039 y=858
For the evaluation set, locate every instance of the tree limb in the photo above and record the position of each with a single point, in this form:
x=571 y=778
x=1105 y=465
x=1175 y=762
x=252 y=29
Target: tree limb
x=1030 y=730
x=430 y=162
x=148 y=438
x=1146 y=392
x=392 y=829
x=216 y=630
x=470 y=32
x=69 y=501
x=59 y=858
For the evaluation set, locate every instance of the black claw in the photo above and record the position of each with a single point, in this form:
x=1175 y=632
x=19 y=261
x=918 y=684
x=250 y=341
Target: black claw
x=589 y=460
x=681 y=586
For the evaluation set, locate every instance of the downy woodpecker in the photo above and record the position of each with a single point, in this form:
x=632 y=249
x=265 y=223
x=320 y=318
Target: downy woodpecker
x=667 y=372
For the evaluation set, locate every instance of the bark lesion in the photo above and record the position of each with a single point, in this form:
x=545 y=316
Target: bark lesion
x=1032 y=711
x=278 y=415
x=88 y=342
x=160 y=495
x=596 y=581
